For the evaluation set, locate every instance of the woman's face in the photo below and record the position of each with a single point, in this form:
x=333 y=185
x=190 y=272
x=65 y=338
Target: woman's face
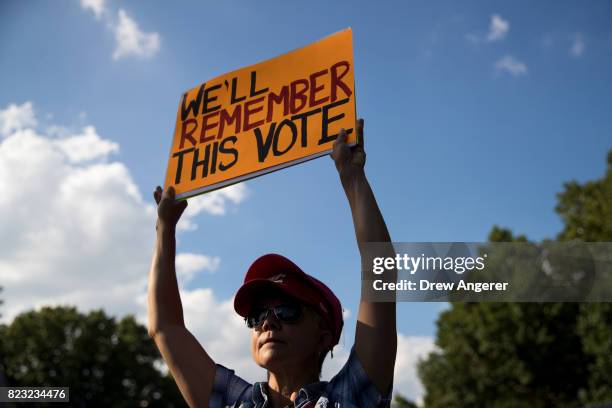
x=282 y=346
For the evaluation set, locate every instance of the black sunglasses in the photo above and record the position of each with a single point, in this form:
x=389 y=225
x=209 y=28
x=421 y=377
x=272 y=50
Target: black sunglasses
x=284 y=313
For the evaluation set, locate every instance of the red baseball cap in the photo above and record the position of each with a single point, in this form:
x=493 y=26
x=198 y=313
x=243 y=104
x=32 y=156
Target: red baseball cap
x=273 y=271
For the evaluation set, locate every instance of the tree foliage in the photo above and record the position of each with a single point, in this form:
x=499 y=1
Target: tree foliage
x=530 y=354
x=586 y=209
x=104 y=362
x=401 y=402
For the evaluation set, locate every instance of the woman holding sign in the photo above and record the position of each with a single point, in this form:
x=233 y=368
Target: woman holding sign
x=295 y=319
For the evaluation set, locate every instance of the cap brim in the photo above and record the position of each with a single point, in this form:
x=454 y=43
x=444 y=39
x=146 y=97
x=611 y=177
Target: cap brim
x=257 y=289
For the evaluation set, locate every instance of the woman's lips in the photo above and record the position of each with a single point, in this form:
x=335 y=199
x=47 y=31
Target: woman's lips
x=271 y=341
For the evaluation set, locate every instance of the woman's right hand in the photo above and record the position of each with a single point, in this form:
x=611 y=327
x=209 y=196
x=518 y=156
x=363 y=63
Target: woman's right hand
x=169 y=210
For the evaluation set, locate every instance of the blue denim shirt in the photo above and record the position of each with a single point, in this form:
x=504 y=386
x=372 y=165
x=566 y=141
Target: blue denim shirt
x=350 y=388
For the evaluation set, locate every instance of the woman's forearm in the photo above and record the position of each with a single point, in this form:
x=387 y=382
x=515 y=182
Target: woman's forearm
x=165 y=308
x=367 y=219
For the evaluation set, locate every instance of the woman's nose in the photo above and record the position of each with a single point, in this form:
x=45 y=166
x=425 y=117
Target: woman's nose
x=270 y=322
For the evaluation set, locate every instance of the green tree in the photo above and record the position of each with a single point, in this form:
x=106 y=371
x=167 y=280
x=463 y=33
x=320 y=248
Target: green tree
x=586 y=209
x=104 y=362
x=528 y=354
x=400 y=401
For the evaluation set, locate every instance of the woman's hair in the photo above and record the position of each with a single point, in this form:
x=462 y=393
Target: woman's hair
x=324 y=326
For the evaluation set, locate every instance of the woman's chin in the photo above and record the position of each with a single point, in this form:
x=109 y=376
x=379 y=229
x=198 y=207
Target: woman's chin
x=272 y=357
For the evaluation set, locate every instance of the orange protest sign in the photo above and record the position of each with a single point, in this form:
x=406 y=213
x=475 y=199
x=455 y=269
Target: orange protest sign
x=264 y=117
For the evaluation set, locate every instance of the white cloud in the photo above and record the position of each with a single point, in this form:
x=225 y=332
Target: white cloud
x=75 y=228
x=578 y=45
x=56 y=130
x=511 y=65
x=131 y=41
x=86 y=146
x=498 y=28
x=221 y=331
x=189 y=264
x=214 y=203
x=410 y=349
x=71 y=232
x=96 y=6
x=16 y=117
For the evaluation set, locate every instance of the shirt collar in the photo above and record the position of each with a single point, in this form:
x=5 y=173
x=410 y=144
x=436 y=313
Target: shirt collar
x=260 y=398
x=310 y=392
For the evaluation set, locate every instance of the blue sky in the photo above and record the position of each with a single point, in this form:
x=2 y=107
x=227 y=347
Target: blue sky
x=476 y=113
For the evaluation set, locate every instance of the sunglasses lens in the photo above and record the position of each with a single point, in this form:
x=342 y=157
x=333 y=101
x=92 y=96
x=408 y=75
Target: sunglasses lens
x=284 y=313
x=288 y=313
x=256 y=317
